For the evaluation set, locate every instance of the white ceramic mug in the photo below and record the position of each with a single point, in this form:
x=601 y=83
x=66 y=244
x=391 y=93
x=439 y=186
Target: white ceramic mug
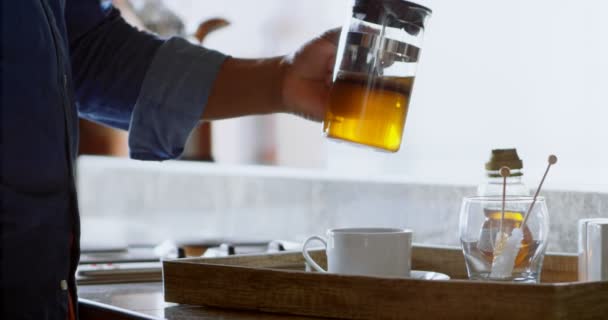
x=365 y=251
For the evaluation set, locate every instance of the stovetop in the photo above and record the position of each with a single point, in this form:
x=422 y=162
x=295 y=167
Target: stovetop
x=143 y=263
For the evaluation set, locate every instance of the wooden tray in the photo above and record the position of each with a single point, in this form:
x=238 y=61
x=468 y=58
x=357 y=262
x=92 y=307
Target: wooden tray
x=278 y=283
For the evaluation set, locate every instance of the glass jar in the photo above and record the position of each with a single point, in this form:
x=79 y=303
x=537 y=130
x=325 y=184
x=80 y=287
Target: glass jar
x=374 y=73
x=492 y=186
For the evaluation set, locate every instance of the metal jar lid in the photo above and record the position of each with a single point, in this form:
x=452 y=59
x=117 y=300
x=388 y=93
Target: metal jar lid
x=407 y=15
x=504 y=158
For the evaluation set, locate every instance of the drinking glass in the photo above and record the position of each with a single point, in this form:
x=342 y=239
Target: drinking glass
x=480 y=237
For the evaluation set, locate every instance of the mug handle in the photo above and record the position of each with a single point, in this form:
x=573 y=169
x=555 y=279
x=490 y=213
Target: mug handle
x=307 y=257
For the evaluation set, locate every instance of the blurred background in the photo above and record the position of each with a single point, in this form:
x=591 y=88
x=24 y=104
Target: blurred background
x=525 y=74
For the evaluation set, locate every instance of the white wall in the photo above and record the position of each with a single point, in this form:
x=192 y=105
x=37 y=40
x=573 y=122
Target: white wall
x=525 y=74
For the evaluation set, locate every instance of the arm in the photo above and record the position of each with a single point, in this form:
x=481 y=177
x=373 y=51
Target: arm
x=246 y=87
x=297 y=84
x=109 y=61
x=159 y=90
x=125 y=78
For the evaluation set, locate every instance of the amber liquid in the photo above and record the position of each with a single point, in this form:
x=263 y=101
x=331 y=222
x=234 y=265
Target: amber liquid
x=512 y=220
x=368 y=111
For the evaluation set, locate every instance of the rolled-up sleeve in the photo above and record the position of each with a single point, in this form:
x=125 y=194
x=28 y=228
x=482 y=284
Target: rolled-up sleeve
x=133 y=80
x=172 y=98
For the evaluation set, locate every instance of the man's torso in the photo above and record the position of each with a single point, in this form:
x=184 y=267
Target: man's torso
x=38 y=119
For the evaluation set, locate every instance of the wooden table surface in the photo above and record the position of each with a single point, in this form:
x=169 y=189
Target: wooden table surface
x=146 y=301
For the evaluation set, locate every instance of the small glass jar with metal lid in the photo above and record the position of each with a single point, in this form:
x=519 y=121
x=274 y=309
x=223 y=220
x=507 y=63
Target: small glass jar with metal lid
x=492 y=186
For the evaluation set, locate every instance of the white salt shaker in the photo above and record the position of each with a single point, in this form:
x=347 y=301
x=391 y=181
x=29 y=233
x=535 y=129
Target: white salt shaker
x=584 y=247
x=597 y=250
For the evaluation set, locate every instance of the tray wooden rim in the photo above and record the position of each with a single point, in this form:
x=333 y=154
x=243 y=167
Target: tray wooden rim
x=254 y=284
x=214 y=261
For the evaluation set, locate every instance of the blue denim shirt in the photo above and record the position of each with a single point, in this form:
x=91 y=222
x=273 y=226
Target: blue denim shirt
x=60 y=59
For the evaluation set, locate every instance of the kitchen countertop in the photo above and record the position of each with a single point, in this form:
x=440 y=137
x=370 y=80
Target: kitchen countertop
x=146 y=299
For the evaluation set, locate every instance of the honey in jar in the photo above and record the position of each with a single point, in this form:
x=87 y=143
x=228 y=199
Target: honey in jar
x=369 y=111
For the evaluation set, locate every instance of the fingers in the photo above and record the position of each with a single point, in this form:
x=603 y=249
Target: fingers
x=312 y=100
x=330 y=63
x=330 y=70
x=332 y=35
x=328 y=80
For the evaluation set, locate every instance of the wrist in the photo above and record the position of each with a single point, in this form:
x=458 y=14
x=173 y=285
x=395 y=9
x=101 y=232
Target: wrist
x=247 y=87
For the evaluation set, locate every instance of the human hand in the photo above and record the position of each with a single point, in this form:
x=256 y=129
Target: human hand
x=307 y=77
x=297 y=84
